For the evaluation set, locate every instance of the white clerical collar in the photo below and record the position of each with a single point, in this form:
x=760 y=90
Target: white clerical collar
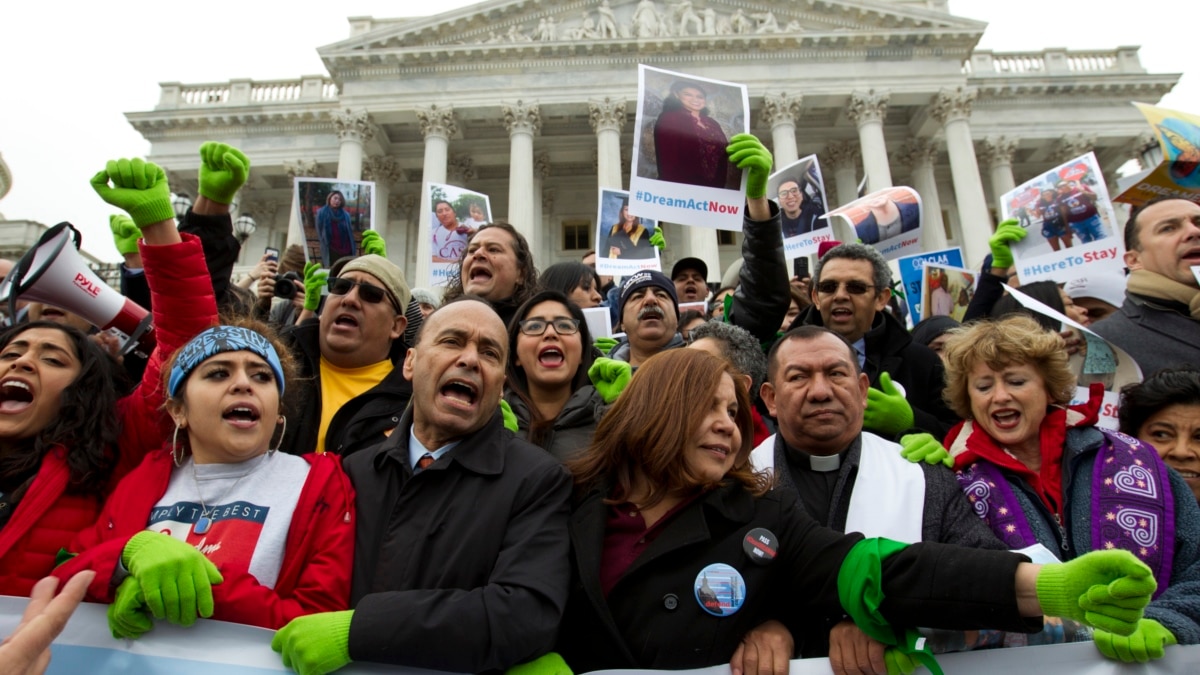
x=825 y=463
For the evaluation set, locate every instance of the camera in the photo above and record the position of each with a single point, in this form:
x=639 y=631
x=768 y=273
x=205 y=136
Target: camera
x=288 y=284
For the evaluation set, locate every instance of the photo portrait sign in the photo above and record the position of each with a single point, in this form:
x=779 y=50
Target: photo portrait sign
x=888 y=219
x=334 y=214
x=1070 y=223
x=946 y=291
x=623 y=239
x=799 y=190
x=681 y=173
x=1178 y=175
x=457 y=214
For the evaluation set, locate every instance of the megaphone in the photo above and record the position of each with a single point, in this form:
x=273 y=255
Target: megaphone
x=54 y=273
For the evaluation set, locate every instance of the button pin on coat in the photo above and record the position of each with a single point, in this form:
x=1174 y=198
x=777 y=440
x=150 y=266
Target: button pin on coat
x=761 y=545
x=720 y=589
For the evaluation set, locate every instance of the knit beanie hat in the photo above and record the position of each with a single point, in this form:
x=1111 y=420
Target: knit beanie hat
x=643 y=279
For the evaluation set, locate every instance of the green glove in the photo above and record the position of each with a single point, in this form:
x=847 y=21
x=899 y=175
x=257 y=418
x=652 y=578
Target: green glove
x=610 y=377
x=372 y=243
x=887 y=410
x=314 y=280
x=747 y=152
x=918 y=448
x=546 y=664
x=176 y=579
x=604 y=344
x=223 y=170
x=138 y=187
x=1148 y=642
x=128 y=617
x=659 y=241
x=1104 y=589
x=899 y=663
x=510 y=419
x=315 y=644
x=1007 y=233
x=125 y=233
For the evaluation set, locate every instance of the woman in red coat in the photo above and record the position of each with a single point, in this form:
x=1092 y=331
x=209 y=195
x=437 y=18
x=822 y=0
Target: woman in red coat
x=65 y=440
x=251 y=535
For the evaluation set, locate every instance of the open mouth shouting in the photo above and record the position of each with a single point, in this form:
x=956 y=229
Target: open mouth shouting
x=242 y=415
x=551 y=356
x=460 y=394
x=652 y=312
x=345 y=321
x=16 y=395
x=1006 y=419
x=479 y=274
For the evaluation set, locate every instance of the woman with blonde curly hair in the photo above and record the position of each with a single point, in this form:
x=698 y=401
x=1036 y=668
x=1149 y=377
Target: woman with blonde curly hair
x=1043 y=475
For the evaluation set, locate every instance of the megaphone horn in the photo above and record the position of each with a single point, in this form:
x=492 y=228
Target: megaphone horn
x=54 y=273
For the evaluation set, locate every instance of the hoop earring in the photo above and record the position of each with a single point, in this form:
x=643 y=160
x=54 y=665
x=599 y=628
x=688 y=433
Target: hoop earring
x=176 y=451
x=283 y=422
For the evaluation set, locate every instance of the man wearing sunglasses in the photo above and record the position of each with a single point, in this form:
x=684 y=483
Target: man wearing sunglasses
x=351 y=389
x=850 y=293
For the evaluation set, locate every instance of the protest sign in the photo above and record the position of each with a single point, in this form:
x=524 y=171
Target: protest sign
x=799 y=189
x=888 y=219
x=457 y=214
x=946 y=291
x=623 y=239
x=333 y=214
x=912 y=270
x=1178 y=175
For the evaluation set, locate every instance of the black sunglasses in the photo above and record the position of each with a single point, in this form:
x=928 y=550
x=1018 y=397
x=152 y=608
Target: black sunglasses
x=368 y=292
x=852 y=287
x=562 y=326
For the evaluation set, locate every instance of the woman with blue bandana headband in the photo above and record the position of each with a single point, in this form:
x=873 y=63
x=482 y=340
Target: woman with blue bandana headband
x=253 y=536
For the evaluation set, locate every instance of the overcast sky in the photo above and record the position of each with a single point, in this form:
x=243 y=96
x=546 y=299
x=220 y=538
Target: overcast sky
x=73 y=69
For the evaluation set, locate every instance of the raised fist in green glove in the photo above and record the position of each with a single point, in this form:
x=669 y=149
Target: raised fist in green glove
x=918 y=448
x=604 y=344
x=175 y=578
x=610 y=377
x=223 y=170
x=138 y=187
x=747 y=152
x=1007 y=233
x=1104 y=589
x=128 y=617
x=315 y=644
x=1148 y=642
x=510 y=418
x=546 y=664
x=314 y=281
x=887 y=410
x=125 y=233
x=373 y=243
x=659 y=241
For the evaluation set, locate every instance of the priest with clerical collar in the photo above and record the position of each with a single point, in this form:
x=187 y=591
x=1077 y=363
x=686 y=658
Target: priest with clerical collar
x=846 y=478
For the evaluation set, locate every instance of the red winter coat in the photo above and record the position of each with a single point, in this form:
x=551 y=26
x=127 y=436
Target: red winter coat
x=317 y=558
x=47 y=518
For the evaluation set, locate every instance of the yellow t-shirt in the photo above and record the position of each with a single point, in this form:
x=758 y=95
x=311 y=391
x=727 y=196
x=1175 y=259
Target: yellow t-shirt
x=341 y=385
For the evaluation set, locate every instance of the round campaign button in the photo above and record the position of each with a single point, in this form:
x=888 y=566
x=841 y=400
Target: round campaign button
x=760 y=545
x=720 y=589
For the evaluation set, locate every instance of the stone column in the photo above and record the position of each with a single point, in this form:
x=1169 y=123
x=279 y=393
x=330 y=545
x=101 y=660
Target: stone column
x=920 y=154
x=384 y=171
x=997 y=152
x=437 y=126
x=354 y=128
x=952 y=108
x=523 y=122
x=842 y=158
x=780 y=113
x=868 y=110
x=542 y=242
x=607 y=118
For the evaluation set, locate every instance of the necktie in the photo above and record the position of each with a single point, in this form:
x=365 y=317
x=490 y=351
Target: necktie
x=424 y=462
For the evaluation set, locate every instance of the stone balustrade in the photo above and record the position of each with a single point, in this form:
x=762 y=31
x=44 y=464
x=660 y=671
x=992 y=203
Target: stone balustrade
x=986 y=63
x=247 y=92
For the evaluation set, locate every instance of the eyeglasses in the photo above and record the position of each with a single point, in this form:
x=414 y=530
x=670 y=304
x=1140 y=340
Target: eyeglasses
x=368 y=292
x=562 y=326
x=789 y=193
x=852 y=287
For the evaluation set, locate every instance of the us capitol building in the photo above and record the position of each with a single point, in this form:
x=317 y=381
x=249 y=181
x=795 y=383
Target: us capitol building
x=533 y=102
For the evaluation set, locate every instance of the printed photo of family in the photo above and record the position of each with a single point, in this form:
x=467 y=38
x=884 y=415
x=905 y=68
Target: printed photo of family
x=334 y=214
x=1063 y=208
x=946 y=291
x=457 y=213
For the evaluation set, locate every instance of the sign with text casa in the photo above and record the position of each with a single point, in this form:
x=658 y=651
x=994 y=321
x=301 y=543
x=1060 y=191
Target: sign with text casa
x=1070 y=224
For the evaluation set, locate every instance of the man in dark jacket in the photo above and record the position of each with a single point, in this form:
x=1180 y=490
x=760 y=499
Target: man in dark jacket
x=461 y=551
x=351 y=391
x=850 y=293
